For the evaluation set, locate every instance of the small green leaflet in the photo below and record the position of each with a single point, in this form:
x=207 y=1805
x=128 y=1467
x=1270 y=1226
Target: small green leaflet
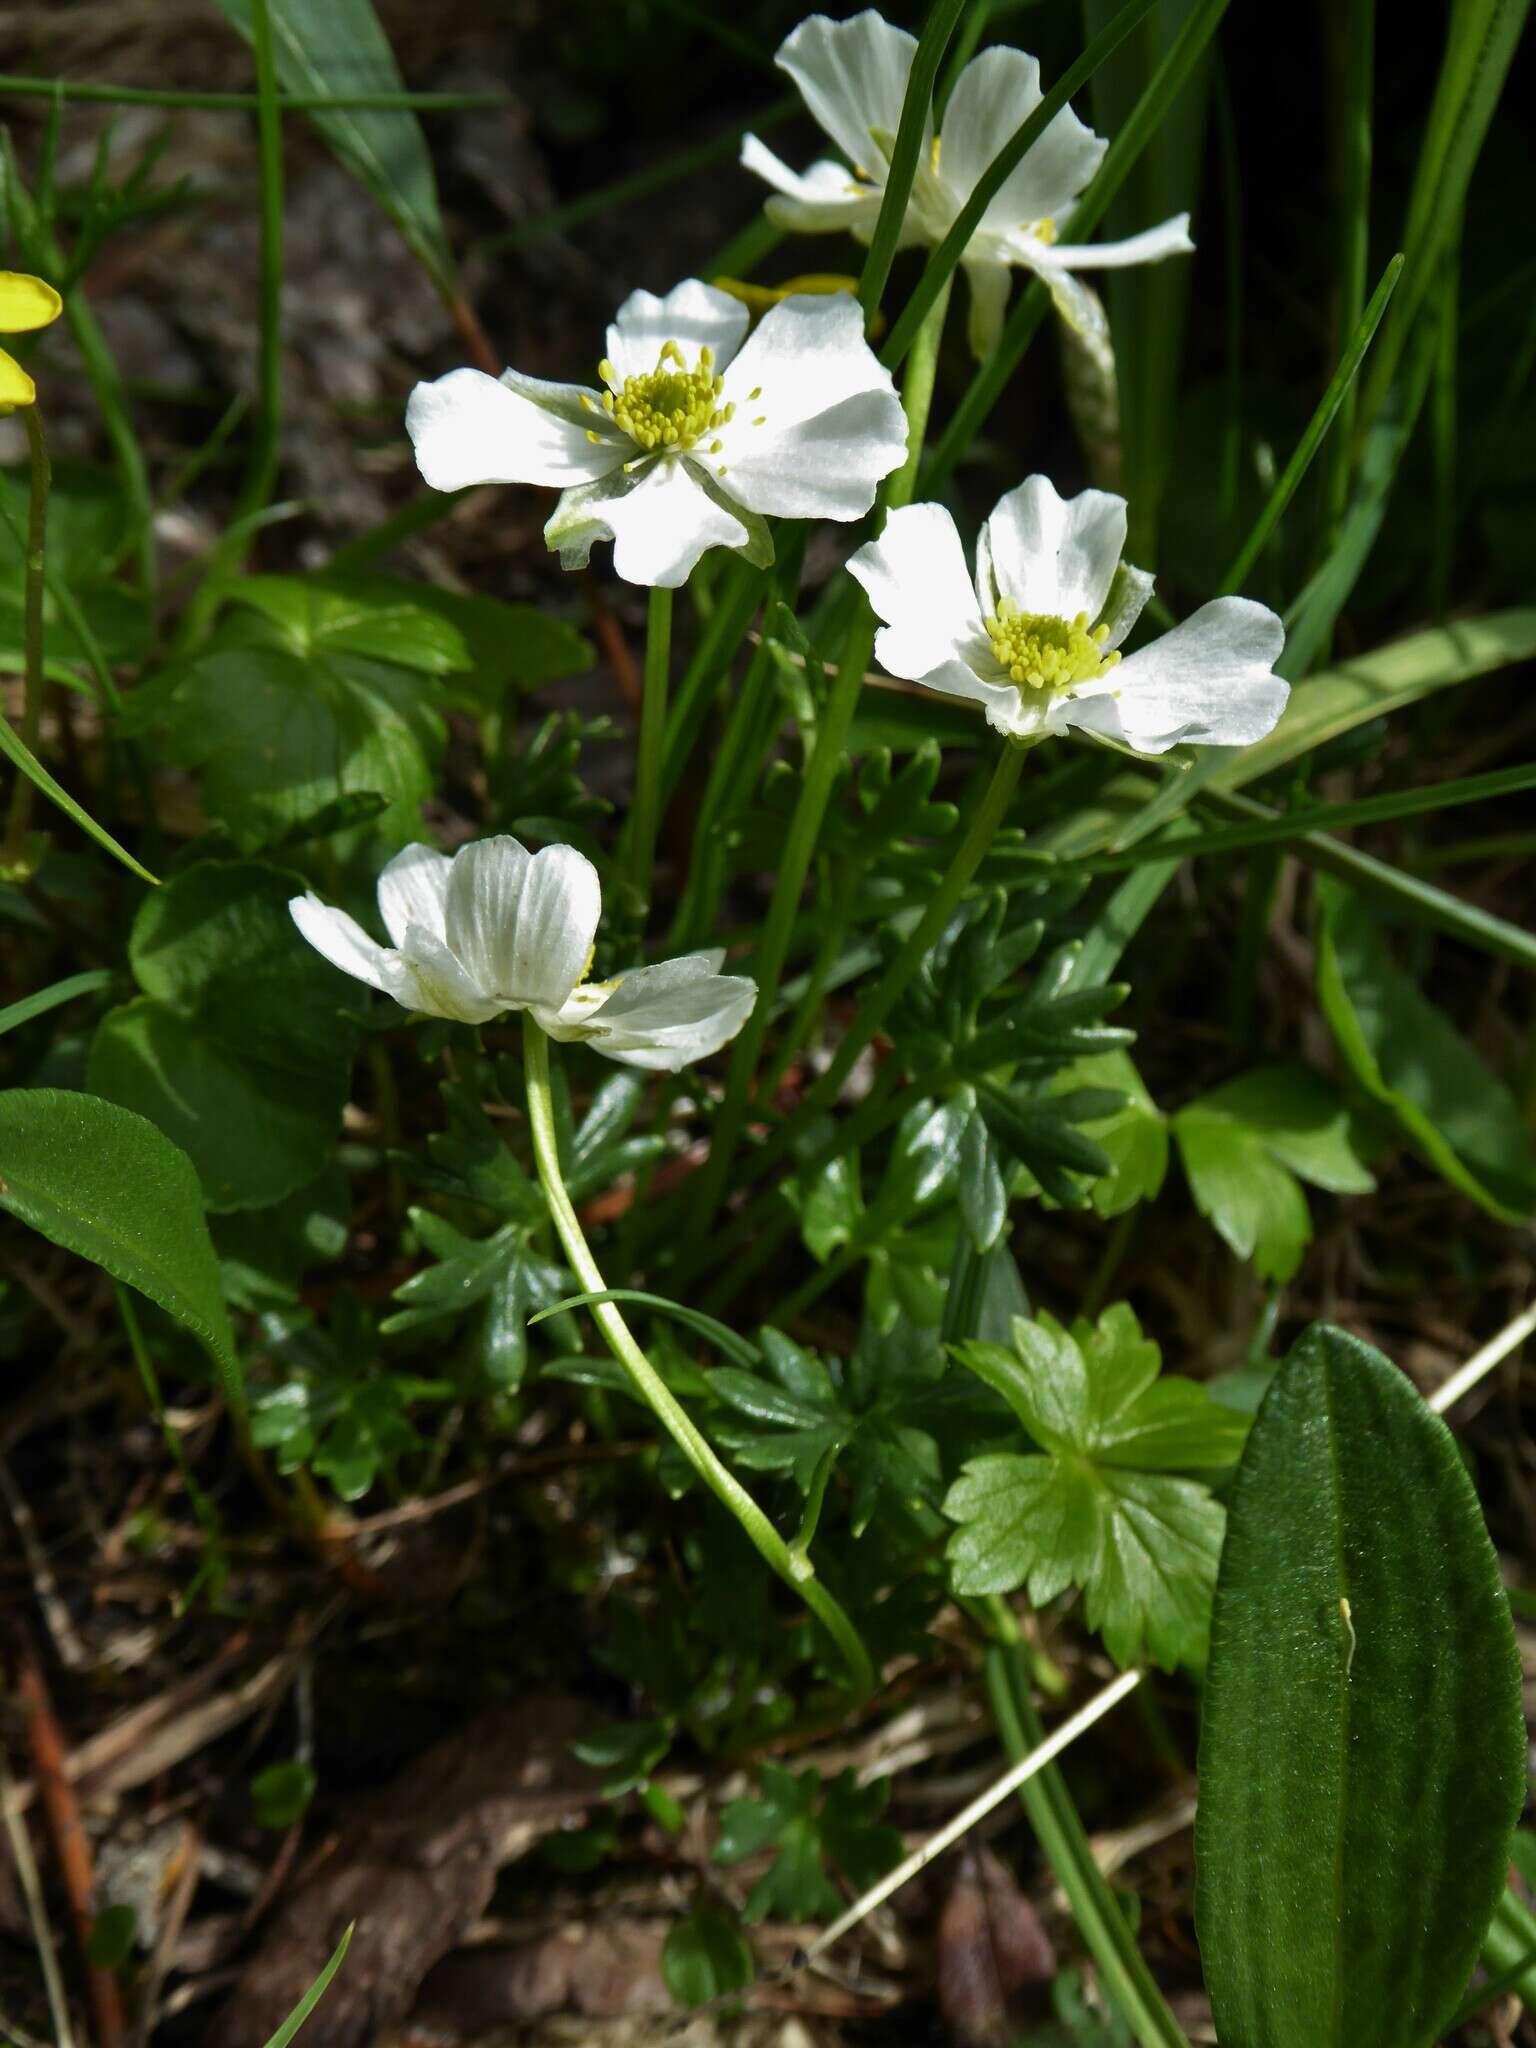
x=1099 y=1506
x=1247 y=1146
x=810 y=1830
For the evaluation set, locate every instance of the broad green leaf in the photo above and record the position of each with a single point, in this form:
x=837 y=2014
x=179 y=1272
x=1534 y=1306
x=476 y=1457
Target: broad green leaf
x=339 y=48
x=1246 y=1144
x=376 y=617
x=1099 y=1508
x=239 y=1047
x=103 y=1182
x=1362 y=1761
x=705 y=1956
x=279 y=736
x=1407 y=1054
x=1143 y=1547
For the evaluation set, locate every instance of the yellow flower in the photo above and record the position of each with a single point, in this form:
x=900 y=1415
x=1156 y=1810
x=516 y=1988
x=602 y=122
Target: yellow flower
x=25 y=303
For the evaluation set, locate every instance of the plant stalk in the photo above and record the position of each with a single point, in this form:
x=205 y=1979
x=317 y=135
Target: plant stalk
x=796 y=1572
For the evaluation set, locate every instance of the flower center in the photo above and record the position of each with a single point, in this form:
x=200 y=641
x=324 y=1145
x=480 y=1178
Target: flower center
x=670 y=406
x=1044 y=653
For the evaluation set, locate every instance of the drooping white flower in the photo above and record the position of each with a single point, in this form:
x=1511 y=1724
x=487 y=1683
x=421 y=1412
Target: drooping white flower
x=852 y=76
x=697 y=434
x=1034 y=638
x=496 y=928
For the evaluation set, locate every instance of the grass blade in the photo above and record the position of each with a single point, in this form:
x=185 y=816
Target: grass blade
x=992 y=377
x=941 y=264
x=933 y=42
x=1339 y=387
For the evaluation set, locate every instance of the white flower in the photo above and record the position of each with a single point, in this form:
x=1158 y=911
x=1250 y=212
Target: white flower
x=698 y=433
x=852 y=76
x=1035 y=639
x=497 y=928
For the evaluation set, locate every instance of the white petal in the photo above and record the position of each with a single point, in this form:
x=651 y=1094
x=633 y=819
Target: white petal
x=1053 y=555
x=666 y=1016
x=411 y=892
x=468 y=428
x=485 y=885
x=989 y=285
x=660 y=519
x=827 y=197
x=523 y=926
x=817 y=421
x=692 y=314
x=1077 y=303
x=853 y=77
x=340 y=939
x=1150 y=246
x=1208 y=682
x=916 y=579
x=993 y=97
x=556 y=925
x=428 y=978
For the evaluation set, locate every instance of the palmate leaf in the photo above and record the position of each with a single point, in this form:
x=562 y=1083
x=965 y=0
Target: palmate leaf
x=1099 y=1507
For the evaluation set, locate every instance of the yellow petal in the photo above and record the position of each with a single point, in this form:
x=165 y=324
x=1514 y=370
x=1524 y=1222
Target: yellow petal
x=26 y=302
x=16 y=387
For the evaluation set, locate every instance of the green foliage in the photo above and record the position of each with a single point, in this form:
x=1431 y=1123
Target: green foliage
x=101 y=1181
x=814 y=1831
x=1247 y=1145
x=239 y=1047
x=1405 y=1051
x=1362 y=1763
x=1097 y=1506
x=281 y=1793
x=706 y=1956
x=334 y=1408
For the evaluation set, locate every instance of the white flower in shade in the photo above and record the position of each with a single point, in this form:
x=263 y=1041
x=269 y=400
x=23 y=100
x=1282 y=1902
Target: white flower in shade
x=496 y=928
x=852 y=76
x=697 y=433
x=1035 y=638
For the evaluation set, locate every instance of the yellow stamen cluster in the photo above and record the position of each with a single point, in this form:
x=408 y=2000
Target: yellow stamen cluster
x=1044 y=653
x=670 y=406
x=1042 y=230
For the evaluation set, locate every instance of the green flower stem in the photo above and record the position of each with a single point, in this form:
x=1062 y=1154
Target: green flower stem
x=645 y=817
x=19 y=817
x=880 y=1001
x=737 y=601
x=796 y=1571
x=816 y=788
x=1128 y=1982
